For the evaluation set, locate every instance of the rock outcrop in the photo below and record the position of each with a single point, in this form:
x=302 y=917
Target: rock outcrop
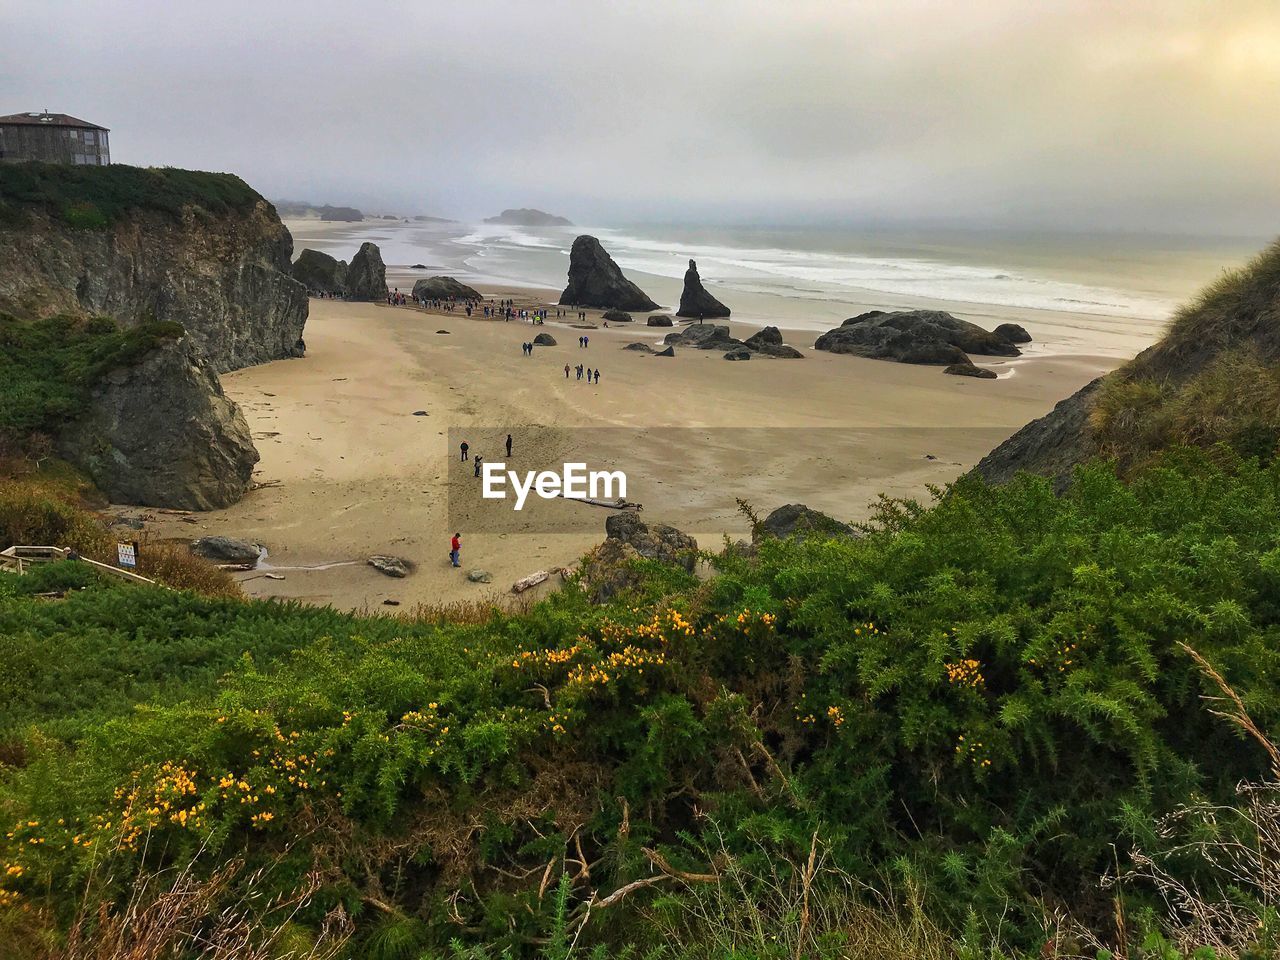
x=970 y=370
x=695 y=301
x=366 y=274
x=226 y=550
x=596 y=281
x=1051 y=446
x=914 y=336
x=163 y=434
x=797 y=520
x=609 y=569
x=319 y=272
x=443 y=288
x=528 y=217
x=768 y=341
x=617 y=316
x=1012 y=332
x=544 y=340
x=738 y=353
x=704 y=336
x=661 y=320
x=224 y=276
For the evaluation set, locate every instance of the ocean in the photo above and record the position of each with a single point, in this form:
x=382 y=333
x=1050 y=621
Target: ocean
x=1102 y=294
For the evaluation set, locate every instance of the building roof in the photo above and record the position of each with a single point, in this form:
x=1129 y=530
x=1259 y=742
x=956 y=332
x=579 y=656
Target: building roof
x=37 y=119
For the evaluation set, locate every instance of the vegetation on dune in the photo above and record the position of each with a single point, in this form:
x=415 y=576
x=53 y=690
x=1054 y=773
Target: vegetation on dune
x=50 y=504
x=977 y=710
x=91 y=198
x=49 y=366
x=1214 y=377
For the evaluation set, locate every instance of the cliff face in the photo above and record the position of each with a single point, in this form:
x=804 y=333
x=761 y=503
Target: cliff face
x=224 y=277
x=161 y=432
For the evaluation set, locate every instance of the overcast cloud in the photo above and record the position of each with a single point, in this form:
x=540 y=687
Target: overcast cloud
x=1119 y=114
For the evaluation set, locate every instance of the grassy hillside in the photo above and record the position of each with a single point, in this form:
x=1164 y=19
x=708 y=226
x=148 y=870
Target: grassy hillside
x=929 y=742
x=95 y=197
x=1214 y=377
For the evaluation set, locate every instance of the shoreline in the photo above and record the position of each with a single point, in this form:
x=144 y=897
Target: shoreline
x=353 y=472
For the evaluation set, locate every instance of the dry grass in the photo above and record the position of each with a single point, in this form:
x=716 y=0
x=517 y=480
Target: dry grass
x=52 y=505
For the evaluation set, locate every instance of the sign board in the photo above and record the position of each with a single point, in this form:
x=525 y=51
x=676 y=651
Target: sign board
x=127 y=554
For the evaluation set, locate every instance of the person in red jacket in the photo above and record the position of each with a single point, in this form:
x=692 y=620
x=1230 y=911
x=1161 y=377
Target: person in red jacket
x=455 y=550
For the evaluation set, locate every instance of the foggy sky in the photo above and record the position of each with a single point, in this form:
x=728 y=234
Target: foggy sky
x=1117 y=114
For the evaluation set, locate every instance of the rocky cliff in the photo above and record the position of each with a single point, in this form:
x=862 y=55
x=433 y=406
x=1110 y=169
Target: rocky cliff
x=89 y=252
x=366 y=277
x=220 y=270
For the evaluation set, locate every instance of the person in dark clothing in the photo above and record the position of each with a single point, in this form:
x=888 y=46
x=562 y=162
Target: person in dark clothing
x=464 y=448
x=479 y=461
x=508 y=444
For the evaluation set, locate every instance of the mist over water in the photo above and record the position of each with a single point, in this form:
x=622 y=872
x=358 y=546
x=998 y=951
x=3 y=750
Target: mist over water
x=813 y=278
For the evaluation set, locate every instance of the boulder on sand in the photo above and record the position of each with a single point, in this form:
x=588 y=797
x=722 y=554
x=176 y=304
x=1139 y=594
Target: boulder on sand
x=970 y=370
x=769 y=342
x=738 y=353
x=396 y=567
x=366 y=274
x=443 y=288
x=695 y=301
x=914 y=336
x=1012 y=332
x=668 y=352
x=703 y=336
x=226 y=550
x=639 y=347
x=617 y=316
x=544 y=340
x=596 y=281
x=661 y=320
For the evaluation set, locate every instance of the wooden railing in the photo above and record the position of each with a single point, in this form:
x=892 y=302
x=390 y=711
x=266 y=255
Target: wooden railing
x=17 y=558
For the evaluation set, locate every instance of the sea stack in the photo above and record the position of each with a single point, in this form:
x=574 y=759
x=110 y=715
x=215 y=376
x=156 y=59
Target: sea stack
x=596 y=281
x=367 y=275
x=695 y=301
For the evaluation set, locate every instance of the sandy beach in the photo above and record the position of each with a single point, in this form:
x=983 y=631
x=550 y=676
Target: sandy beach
x=348 y=469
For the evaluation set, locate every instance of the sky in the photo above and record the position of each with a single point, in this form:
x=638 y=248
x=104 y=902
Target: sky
x=1118 y=115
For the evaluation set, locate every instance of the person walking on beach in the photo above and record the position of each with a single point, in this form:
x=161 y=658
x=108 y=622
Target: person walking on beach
x=479 y=461
x=464 y=447
x=508 y=445
x=566 y=371
x=455 y=550
x=597 y=374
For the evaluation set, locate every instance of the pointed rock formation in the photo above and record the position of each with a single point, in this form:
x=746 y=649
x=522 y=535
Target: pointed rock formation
x=367 y=275
x=695 y=301
x=596 y=281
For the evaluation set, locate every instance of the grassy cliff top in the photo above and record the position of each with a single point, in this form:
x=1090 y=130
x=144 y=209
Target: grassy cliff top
x=95 y=197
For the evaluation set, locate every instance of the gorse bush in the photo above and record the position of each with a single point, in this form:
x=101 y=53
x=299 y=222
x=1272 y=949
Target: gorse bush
x=980 y=703
x=93 y=198
x=49 y=366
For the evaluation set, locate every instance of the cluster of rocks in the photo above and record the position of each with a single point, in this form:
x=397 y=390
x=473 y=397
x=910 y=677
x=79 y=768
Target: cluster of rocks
x=923 y=336
x=596 y=281
x=695 y=301
x=716 y=336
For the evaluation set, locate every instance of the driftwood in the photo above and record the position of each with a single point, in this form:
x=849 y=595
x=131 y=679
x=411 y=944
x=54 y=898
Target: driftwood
x=532 y=580
x=617 y=503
